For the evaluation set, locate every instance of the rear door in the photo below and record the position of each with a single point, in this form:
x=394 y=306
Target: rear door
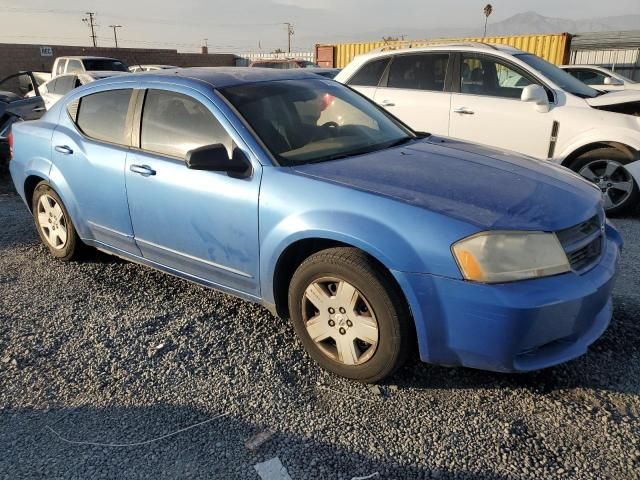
x=486 y=108
x=416 y=91
x=90 y=146
x=201 y=223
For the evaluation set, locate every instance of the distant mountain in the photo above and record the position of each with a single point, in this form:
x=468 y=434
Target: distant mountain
x=519 y=24
x=531 y=22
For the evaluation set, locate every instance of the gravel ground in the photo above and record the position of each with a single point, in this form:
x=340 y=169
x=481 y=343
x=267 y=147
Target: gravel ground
x=111 y=353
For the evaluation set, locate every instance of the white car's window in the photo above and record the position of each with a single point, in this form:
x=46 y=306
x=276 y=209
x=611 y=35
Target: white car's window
x=482 y=75
x=173 y=124
x=303 y=121
x=424 y=71
x=60 y=67
x=64 y=84
x=589 y=77
x=369 y=74
x=74 y=66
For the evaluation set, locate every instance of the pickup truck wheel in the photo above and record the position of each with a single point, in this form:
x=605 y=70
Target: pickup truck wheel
x=53 y=223
x=605 y=168
x=349 y=315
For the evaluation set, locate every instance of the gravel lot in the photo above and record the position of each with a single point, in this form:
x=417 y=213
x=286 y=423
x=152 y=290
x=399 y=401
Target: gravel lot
x=108 y=352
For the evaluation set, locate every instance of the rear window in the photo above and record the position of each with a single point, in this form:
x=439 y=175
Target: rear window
x=370 y=74
x=103 y=115
x=104 y=65
x=64 y=84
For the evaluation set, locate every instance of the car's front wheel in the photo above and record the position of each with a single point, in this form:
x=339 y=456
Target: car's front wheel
x=349 y=315
x=53 y=223
x=605 y=168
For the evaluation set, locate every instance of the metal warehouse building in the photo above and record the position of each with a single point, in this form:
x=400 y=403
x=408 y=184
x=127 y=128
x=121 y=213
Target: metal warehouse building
x=618 y=51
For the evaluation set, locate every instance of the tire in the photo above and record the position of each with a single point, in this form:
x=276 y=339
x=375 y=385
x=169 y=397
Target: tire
x=54 y=224
x=605 y=168
x=331 y=276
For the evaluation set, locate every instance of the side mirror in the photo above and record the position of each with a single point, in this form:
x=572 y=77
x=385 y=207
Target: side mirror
x=538 y=95
x=613 y=81
x=215 y=158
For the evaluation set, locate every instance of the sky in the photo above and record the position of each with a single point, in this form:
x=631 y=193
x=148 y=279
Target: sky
x=257 y=25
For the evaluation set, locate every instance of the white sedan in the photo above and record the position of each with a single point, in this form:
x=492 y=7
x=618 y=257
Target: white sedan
x=601 y=78
x=59 y=86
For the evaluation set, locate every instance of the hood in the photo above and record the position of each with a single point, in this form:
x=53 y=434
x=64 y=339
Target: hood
x=478 y=185
x=615 y=98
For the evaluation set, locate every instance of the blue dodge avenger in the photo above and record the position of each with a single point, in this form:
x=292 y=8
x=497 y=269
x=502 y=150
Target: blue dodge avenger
x=287 y=189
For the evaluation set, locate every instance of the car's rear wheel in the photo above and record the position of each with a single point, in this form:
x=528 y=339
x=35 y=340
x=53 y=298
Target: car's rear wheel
x=349 y=315
x=605 y=168
x=53 y=223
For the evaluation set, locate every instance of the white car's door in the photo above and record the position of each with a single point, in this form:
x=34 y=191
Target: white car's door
x=415 y=91
x=487 y=108
x=367 y=79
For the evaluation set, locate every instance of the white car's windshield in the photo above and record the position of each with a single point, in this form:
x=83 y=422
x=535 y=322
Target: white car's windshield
x=305 y=121
x=558 y=76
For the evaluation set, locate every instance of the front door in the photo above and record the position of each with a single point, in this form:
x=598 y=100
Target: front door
x=201 y=223
x=487 y=108
x=416 y=91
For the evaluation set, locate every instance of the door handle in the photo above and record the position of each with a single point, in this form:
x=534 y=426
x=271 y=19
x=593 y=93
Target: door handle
x=463 y=111
x=39 y=109
x=63 y=149
x=387 y=103
x=144 y=170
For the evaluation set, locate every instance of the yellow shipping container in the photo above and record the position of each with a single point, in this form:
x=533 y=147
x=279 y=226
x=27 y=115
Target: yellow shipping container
x=551 y=47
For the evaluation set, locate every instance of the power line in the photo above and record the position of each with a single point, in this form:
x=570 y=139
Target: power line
x=92 y=25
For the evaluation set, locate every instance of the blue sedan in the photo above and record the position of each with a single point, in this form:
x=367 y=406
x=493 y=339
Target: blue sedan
x=287 y=189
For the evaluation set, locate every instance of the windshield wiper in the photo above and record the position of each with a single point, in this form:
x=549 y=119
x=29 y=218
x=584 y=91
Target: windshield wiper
x=401 y=141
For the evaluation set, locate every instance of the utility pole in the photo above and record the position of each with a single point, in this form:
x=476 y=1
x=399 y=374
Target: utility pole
x=91 y=22
x=115 y=32
x=289 y=34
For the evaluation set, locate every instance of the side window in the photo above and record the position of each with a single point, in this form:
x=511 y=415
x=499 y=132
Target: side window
x=103 y=115
x=173 y=124
x=419 y=72
x=590 y=77
x=74 y=66
x=60 y=67
x=64 y=84
x=486 y=76
x=370 y=74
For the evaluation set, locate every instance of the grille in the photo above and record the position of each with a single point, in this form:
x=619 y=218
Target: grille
x=582 y=243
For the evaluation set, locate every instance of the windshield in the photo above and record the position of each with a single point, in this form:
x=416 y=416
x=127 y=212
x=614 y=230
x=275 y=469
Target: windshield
x=305 y=121
x=104 y=64
x=558 y=76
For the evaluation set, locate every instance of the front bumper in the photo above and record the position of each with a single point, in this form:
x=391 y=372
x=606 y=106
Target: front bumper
x=512 y=327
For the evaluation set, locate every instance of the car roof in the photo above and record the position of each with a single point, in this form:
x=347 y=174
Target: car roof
x=87 y=57
x=221 y=77
x=452 y=46
x=596 y=67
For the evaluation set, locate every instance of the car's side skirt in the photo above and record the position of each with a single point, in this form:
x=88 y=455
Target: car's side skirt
x=108 y=249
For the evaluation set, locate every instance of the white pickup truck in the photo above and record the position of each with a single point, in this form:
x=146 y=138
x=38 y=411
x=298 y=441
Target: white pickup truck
x=84 y=64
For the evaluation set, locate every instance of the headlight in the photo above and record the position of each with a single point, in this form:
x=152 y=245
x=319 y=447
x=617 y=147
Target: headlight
x=495 y=257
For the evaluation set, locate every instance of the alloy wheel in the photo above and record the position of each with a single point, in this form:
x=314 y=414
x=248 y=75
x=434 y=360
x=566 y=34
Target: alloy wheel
x=614 y=181
x=52 y=222
x=340 y=321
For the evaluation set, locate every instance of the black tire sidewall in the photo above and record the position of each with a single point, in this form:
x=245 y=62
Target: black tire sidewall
x=388 y=310
x=70 y=249
x=617 y=156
